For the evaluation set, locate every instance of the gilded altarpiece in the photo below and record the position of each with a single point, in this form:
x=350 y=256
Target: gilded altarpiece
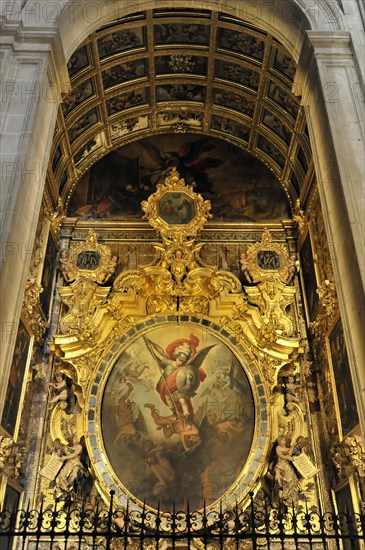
x=174 y=382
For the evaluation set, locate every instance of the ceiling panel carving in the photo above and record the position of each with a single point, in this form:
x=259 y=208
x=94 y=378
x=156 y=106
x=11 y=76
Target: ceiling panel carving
x=190 y=71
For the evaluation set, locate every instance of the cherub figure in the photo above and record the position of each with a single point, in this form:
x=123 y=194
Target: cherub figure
x=245 y=267
x=61 y=390
x=111 y=268
x=64 y=266
x=291 y=391
x=293 y=268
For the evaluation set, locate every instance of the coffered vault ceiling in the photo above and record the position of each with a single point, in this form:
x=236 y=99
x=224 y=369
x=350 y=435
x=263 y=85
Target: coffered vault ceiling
x=166 y=71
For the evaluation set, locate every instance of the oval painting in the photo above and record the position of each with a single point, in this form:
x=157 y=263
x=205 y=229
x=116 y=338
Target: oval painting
x=177 y=417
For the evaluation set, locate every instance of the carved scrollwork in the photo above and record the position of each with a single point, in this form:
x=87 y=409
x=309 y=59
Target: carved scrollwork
x=265 y=259
x=82 y=298
x=273 y=297
x=328 y=310
x=328 y=299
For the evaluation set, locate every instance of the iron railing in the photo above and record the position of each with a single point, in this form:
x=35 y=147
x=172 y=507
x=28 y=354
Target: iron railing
x=81 y=526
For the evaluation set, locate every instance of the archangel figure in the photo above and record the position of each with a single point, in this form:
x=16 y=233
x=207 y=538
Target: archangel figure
x=181 y=374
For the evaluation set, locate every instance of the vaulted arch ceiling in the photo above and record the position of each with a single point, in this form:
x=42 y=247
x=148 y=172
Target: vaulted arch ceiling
x=193 y=71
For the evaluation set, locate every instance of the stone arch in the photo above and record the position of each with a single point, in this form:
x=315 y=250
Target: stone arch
x=286 y=20
x=318 y=39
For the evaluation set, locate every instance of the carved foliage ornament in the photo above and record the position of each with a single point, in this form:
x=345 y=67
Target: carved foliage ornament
x=349 y=457
x=11 y=457
x=31 y=309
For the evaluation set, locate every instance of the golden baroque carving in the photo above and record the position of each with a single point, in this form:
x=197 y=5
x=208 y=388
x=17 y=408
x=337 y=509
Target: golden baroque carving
x=300 y=217
x=266 y=258
x=11 y=457
x=31 y=309
x=6 y=445
x=177 y=281
x=82 y=298
x=328 y=310
x=272 y=297
x=56 y=217
x=349 y=456
x=175 y=210
x=328 y=299
x=89 y=259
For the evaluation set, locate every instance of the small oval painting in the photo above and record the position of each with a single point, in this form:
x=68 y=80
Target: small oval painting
x=177 y=417
x=176 y=208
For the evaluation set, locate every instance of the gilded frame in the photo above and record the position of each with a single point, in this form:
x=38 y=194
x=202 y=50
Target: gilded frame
x=311 y=309
x=340 y=370
x=346 y=500
x=107 y=479
x=48 y=277
x=4 y=484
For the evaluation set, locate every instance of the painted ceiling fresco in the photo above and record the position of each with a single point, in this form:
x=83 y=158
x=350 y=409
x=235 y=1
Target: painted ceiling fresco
x=180 y=71
x=239 y=186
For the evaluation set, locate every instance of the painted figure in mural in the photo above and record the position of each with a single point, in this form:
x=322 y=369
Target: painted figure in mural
x=128 y=415
x=74 y=469
x=181 y=374
x=189 y=161
x=170 y=425
x=286 y=488
x=158 y=464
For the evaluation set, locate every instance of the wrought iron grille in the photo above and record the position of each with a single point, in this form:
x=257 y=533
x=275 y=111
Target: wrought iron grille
x=81 y=526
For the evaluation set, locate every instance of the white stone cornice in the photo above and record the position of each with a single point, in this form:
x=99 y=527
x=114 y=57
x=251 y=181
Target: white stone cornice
x=330 y=43
x=35 y=42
